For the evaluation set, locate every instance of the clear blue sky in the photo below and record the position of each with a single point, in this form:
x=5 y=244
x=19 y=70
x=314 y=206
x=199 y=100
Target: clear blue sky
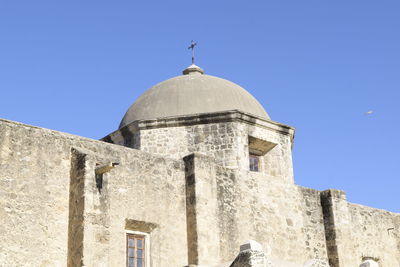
x=76 y=66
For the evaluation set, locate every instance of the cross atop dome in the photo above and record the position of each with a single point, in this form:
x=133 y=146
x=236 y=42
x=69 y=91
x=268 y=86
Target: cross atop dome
x=193 y=69
x=192 y=46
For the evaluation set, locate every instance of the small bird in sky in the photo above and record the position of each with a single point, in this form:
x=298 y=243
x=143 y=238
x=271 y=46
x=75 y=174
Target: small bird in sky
x=369 y=112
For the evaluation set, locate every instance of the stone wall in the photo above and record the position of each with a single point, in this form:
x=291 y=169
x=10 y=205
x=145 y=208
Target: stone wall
x=148 y=195
x=221 y=140
x=34 y=194
x=356 y=233
x=375 y=234
x=50 y=197
x=202 y=210
x=69 y=201
x=286 y=219
x=278 y=161
x=222 y=135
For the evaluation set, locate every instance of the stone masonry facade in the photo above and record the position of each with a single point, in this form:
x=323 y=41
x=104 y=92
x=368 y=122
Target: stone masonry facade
x=185 y=183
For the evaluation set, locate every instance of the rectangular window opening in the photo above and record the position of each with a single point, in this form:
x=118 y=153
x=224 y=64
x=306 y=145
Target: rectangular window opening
x=254 y=163
x=135 y=250
x=257 y=150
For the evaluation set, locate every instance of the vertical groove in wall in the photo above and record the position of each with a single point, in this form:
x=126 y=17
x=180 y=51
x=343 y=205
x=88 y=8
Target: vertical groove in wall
x=330 y=230
x=191 y=220
x=76 y=209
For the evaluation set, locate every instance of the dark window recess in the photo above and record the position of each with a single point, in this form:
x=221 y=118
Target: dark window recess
x=135 y=250
x=254 y=163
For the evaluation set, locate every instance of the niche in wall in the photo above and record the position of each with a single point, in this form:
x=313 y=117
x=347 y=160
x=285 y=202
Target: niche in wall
x=257 y=149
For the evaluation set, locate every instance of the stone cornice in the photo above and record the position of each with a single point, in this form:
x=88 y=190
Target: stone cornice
x=205 y=118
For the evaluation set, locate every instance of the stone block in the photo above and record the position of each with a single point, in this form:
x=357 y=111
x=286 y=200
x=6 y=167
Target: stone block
x=251 y=245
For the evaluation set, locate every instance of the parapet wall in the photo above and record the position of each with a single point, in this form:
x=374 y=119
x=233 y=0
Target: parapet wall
x=34 y=193
x=50 y=196
x=356 y=233
x=295 y=225
x=285 y=219
x=375 y=234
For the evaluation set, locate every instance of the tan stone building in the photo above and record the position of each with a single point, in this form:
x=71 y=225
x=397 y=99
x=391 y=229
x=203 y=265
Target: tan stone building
x=195 y=170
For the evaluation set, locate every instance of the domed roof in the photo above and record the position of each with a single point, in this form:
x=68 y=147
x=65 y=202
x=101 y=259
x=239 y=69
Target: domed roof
x=192 y=93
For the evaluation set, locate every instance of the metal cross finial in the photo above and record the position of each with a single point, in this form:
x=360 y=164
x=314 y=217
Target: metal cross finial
x=192 y=45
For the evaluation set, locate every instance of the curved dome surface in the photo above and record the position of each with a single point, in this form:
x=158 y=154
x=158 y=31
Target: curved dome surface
x=192 y=93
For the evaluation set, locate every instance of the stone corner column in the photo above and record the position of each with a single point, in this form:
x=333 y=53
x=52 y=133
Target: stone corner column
x=337 y=224
x=201 y=210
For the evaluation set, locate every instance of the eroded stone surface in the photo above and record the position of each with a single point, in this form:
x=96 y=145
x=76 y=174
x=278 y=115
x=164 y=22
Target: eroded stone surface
x=69 y=201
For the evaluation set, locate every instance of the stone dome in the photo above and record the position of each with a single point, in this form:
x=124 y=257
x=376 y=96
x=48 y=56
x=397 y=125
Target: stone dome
x=192 y=93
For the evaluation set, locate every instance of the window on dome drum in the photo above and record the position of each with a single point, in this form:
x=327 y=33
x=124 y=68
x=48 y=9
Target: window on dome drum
x=254 y=163
x=258 y=148
x=135 y=250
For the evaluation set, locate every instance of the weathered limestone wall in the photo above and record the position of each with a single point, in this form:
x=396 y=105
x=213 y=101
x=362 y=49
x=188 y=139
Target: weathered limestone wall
x=202 y=210
x=68 y=201
x=278 y=161
x=375 y=235
x=34 y=193
x=286 y=219
x=148 y=195
x=356 y=233
x=220 y=140
x=223 y=136
x=39 y=169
